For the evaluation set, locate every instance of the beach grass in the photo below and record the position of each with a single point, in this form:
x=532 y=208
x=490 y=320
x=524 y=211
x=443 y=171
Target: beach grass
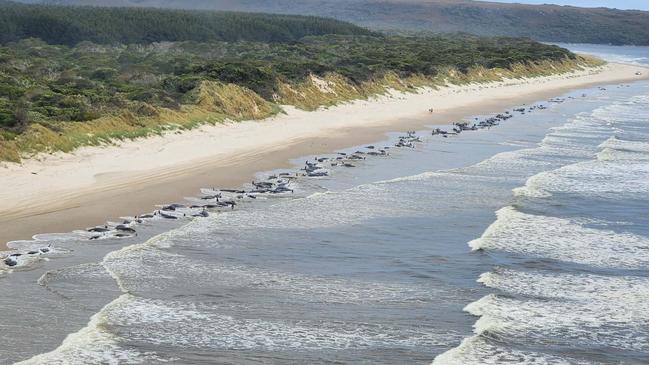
x=332 y=89
x=213 y=102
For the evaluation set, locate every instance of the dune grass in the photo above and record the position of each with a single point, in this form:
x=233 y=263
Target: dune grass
x=214 y=102
x=333 y=89
x=211 y=103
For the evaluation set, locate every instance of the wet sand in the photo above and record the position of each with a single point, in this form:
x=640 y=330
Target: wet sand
x=95 y=184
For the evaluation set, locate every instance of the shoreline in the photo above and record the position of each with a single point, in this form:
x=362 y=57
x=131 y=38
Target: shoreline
x=63 y=192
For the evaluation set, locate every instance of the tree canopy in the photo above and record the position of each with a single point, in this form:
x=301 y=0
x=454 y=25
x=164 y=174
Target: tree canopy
x=70 y=25
x=550 y=23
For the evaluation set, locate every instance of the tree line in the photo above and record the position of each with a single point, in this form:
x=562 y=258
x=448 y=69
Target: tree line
x=70 y=25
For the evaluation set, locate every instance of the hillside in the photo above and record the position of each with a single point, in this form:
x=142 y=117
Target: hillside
x=86 y=82
x=71 y=25
x=540 y=22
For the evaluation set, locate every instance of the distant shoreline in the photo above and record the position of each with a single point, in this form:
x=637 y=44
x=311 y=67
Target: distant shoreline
x=63 y=192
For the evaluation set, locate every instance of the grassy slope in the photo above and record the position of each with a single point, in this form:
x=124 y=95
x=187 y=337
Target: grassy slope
x=214 y=102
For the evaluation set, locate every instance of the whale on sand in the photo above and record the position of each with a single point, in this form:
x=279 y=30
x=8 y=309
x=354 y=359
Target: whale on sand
x=167 y=216
x=125 y=228
x=12 y=259
x=99 y=229
x=203 y=213
x=172 y=207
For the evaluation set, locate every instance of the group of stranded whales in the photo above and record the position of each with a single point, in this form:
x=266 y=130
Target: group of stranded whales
x=487 y=123
x=318 y=166
x=13 y=259
x=408 y=140
x=216 y=199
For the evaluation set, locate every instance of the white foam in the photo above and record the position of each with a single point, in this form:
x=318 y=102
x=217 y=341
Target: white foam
x=419 y=177
x=632 y=290
x=625 y=145
x=553 y=309
x=147 y=269
x=477 y=350
x=578 y=324
x=95 y=344
x=561 y=239
x=195 y=325
x=581 y=309
x=616 y=149
x=543 y=309
x=91 y=345
x=594 y=178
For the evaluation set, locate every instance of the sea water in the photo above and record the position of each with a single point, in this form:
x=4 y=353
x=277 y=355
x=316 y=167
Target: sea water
x=526 y=243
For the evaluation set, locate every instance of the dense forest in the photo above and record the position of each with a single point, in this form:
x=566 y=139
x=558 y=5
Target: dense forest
x=541 y=22
x=73 y=24
x=47 y=82
x=58 y=95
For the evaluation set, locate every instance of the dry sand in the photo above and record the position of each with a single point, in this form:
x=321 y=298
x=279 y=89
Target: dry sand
x=62 y=192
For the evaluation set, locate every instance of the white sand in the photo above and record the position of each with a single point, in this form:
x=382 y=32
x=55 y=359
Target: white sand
x=54 y=182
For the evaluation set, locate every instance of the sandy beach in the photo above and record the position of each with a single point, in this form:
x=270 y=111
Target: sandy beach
x=63 y=192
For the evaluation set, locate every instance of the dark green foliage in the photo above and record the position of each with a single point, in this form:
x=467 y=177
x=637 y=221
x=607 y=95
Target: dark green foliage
x=360 y=57
x=542 y=22
x=253 y=76
x=113 y=65
x=71 y=25
x=40 y=82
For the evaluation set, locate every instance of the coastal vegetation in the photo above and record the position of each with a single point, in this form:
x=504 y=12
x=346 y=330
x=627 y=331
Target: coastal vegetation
x=57 y=97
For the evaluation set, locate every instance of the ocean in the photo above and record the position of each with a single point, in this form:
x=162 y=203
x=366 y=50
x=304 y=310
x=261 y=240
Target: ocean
x=523 y=243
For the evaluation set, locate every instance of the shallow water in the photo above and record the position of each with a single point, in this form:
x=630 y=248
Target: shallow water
x=525 y=243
